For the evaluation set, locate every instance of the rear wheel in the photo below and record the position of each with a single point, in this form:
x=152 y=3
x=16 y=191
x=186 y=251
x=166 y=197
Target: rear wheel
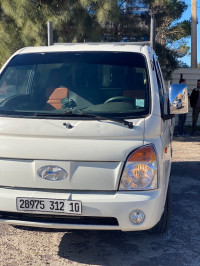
x=163 y=225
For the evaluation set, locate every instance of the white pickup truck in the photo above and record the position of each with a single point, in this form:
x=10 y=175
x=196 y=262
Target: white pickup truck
x=85 y=138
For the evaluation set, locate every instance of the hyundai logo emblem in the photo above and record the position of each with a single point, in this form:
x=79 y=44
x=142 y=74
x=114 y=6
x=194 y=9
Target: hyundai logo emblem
x=52 y=173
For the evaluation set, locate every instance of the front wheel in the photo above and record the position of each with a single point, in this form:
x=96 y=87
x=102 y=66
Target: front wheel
x=163 y=225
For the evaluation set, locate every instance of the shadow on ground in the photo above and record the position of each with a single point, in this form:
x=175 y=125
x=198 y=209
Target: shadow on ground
x=188 y=139
x=179 y=246
x=186 y=169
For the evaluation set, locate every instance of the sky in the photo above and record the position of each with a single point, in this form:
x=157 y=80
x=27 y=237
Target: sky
x=186 y=15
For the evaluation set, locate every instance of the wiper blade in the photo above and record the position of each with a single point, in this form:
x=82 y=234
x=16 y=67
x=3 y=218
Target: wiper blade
x=99 y=117
x=79 y=112
x=55 y=114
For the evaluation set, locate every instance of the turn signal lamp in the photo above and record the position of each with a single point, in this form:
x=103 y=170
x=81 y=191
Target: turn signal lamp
x=140 y=171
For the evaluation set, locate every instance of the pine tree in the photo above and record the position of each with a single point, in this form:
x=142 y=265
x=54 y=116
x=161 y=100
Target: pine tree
x=170 y=34
x=24 y=23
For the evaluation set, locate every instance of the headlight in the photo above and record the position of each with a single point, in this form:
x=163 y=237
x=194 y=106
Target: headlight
x=140 y=171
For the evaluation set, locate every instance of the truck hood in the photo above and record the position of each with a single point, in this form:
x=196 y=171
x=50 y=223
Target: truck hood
x=85 y=141
x=92 y=153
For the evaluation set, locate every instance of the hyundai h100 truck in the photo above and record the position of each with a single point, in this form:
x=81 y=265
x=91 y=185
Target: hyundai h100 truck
x=85 y=138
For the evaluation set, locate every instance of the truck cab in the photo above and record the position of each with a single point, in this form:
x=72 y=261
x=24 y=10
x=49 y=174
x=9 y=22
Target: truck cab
x=85 y=137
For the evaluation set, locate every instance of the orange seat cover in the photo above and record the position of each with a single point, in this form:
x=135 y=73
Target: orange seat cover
x=54 y=96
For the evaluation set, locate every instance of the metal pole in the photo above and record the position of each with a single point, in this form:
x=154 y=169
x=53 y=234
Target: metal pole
x=194 y=33
x=152 y=31
x=50 y=33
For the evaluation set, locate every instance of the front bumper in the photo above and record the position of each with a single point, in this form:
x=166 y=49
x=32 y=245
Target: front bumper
x=100 y=210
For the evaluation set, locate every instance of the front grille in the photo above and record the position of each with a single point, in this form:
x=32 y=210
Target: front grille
x=46 y=218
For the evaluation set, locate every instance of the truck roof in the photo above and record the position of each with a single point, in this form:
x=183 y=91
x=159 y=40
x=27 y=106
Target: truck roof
x=62 y=47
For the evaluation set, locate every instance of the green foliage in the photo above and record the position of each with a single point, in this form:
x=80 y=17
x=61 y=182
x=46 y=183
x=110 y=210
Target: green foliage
x=179 y=30
x=170 y=34
x=168 y=60
x=24 y=23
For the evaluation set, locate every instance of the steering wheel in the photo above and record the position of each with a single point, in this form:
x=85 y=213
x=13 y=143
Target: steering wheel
x=119 y=99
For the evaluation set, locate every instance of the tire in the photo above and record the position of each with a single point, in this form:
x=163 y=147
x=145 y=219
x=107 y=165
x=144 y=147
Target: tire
x=163 y=225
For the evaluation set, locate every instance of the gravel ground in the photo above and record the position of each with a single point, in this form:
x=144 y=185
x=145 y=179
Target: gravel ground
x=186 y=149
x=180 y=246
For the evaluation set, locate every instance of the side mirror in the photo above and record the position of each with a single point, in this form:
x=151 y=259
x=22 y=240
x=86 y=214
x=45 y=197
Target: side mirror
x=178 y=99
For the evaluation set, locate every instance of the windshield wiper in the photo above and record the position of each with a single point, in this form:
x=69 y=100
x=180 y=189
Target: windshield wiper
x=99 y=117
x=77 y=112
x=56 y=114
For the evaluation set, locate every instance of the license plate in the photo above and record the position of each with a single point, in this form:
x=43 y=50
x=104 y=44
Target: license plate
x=49 y=205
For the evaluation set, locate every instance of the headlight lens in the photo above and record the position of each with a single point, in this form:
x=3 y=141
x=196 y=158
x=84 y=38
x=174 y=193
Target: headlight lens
x=140 y=172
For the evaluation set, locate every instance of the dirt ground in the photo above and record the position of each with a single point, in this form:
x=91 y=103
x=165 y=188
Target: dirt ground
x=180 y=246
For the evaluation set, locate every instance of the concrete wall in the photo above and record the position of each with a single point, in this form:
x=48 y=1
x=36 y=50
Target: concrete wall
x=191 y=75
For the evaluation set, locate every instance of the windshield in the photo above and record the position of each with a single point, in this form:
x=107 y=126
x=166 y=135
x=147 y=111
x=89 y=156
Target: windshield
x=111 y=84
